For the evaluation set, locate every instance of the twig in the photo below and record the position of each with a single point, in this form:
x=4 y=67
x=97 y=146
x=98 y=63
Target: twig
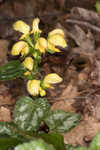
x=86 y=24
x=78 y=97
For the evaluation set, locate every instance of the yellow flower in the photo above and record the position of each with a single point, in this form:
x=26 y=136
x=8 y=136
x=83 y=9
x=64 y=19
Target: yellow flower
x=20 y=47
x=28 y=63
x=22 y=27
x=33 y=87
x=35 y=26
x=56 y=38
x=42 y=92
x=51 y=78
x=41 y=45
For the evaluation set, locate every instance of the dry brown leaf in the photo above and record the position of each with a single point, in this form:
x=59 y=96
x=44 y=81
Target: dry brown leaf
x=3 y=51
x=5 y=114
x=84 y=131
x=64 y=105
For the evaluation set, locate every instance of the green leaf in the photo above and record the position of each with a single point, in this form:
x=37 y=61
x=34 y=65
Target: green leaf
x=29 y=114
x=10 y=65
x=98 y=6
x=7 y=142
x=8 y=129
x=11 y=70
x=69 y=147
x=55 y=139
x=9 y=136
x=61 y=121
x=80 y=148
x=95 y=144
x=35 y=145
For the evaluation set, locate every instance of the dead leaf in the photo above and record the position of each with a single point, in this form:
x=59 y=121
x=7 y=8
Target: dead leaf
x=85 y=15
x=84 y=41
x=85 y=130
x=65 y=105
x=5 y=114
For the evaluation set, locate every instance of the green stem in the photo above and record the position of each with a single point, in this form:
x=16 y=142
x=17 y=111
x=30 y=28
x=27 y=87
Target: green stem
x=36 y=35
x=35 y=65
x=29 y=40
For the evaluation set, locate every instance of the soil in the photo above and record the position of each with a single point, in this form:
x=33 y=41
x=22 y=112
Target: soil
x=78 y=64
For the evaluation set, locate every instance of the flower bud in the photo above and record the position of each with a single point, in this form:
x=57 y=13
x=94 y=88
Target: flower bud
x=35 y=26
x=42 y=92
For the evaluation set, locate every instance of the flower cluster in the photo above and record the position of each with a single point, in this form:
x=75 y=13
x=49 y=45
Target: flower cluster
x=35 y=87
x=31 y=47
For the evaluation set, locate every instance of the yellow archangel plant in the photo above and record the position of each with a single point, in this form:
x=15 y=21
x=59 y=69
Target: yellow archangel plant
x=31 y=47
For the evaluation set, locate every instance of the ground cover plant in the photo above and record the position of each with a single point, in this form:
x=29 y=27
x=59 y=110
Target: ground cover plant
x=31 y=113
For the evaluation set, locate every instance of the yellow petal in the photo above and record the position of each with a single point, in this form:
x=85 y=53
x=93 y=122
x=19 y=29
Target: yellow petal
x=57 y=40
x=43 y=42
x=42 y=92
x=41 y=45
x=27 y=73
x=33 y=87
x=40 y=48
x=52 y=47
x=22 y=36
x=52 y=78
x=28 y=63
x=18 y=47
x=35 y=26
x=24 y=51
x=21 y=26
x=56 y=31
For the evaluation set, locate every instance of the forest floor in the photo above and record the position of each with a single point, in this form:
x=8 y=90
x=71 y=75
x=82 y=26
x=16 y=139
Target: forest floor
x=78 y=64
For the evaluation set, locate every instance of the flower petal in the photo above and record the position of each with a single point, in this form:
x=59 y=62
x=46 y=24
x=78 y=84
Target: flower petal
x=52 y=47
x=20 y=47
x=41 y=45
x=56 y=31
x=57 y=40
x=21 y=26
x=28 y=63
x=52 y=78
x=33 y=87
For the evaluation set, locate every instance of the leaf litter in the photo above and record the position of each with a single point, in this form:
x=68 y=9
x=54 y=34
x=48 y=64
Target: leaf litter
x=78 y=64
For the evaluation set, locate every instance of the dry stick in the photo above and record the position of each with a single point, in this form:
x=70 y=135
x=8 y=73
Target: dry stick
x=78 y=97
x=86 y=24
